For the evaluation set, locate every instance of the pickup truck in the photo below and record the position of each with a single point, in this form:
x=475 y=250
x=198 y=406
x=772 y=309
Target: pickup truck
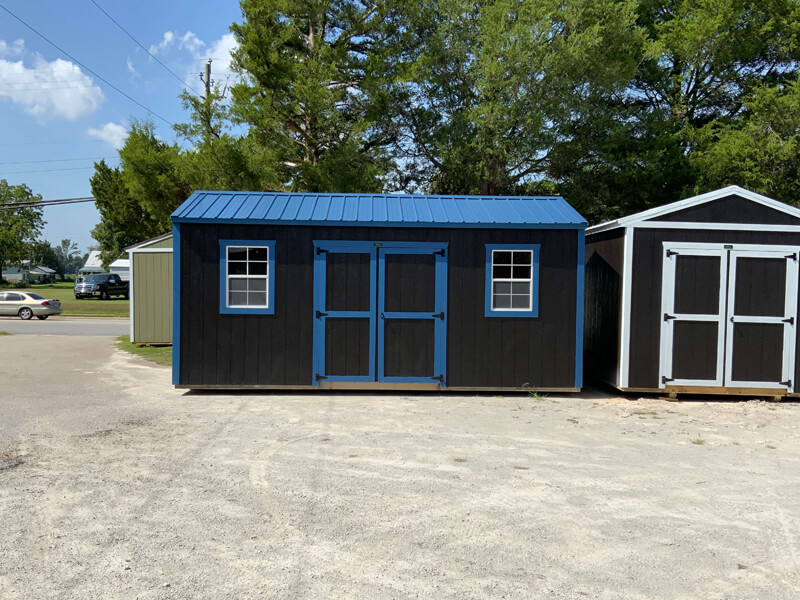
x=103 y=285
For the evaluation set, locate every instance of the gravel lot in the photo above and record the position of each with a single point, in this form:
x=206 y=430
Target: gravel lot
x=131 y=489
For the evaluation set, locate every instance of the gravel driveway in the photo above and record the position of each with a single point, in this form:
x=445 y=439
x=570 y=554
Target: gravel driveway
x=156 y=493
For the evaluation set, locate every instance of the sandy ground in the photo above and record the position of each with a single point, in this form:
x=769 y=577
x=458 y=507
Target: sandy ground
x=155 y=493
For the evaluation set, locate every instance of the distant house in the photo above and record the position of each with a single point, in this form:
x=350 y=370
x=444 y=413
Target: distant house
x=122 y=267
x=93 y=264
x=17 y=273
x=42 y=274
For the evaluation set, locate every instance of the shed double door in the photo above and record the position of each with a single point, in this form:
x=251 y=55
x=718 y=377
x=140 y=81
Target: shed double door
x=379 y=312
x=729 y=316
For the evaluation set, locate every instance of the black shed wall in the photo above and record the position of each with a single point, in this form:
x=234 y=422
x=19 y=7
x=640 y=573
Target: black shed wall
x=645 y=341
x=274 y=350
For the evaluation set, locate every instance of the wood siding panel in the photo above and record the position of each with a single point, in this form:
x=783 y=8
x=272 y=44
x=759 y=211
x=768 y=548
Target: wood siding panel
x=482 y=352
x=731 y=209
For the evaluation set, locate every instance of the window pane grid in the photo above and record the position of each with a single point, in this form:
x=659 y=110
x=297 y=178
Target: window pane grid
x=512 y=280
x=248 y=276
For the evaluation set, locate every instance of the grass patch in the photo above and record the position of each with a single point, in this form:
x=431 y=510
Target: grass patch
x=86 y=307
x=161 y=355
x=537 y=396
x=698 y=441
x=4 y=333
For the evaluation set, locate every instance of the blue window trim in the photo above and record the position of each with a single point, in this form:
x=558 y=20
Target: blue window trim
x=534 y=311
x=223 y=270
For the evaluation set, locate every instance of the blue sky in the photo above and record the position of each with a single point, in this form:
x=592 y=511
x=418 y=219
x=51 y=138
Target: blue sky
x=53 y=110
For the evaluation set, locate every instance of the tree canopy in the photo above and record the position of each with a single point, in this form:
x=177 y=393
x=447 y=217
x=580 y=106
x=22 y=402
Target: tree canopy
x=19 y=227
x=619 y=105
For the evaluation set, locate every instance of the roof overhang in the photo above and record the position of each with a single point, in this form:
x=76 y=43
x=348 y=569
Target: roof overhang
x=641 y=218
x=146 y=243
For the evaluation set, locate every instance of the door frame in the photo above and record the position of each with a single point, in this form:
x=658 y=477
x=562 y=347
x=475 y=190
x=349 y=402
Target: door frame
x=789 y=312
x=727 y=283
x=377 y=297
x=440 y=307
x=668 y=273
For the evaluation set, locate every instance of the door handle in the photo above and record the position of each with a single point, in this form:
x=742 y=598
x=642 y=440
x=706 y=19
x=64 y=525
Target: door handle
x=382 y=317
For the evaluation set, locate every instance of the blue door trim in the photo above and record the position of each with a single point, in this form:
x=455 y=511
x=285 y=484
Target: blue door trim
x=440 y=304
x=321 y=251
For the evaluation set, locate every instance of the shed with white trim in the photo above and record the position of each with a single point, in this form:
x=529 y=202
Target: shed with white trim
x=151 y=290
x=697 y=296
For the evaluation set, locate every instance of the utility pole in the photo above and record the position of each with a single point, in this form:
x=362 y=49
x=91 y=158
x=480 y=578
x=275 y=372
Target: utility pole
x=208 y=79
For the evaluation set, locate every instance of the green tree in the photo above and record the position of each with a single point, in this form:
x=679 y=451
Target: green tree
x=69 y=258
x=19 y=227
x=135 y=200
x=760 y=150
x=304 y=65
x=702 y=59
x=219 y=159
x=480 y=92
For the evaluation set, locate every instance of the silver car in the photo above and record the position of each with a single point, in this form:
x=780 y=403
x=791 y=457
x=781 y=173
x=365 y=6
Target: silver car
x=27 y=304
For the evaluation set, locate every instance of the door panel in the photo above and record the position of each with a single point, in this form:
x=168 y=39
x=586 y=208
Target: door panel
x=347 y=347
x=697 y=284
x=757 y=352
x=761 y=326
x=760 y=286
x=347 y=285
x=693 y=313
x=410 y=282
x=409 y=348
x=694 y=350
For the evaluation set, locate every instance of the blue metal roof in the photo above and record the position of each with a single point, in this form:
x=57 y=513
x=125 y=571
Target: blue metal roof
x=387 y=210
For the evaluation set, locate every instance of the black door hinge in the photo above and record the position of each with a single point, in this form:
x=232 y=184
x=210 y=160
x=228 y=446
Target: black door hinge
x=321 y=251
x=786 y=383
x=790 y=320
x=439 y=378
x=439 y=252
x=668 y=317
x=665 y=379
x=319 y=377
x=439 y=316
x=321 y=314
x=791 y=256
x=671 y=253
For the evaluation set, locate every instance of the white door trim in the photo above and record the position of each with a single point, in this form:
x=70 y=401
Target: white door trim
x=623 y=373
x=790 y=313
x=668 y=308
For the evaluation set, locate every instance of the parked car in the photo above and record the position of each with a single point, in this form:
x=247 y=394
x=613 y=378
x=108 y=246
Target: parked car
x=27 y=304
x=103 y=285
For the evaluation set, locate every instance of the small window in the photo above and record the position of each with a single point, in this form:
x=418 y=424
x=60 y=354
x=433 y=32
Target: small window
x=247 y=279
x=512 y=280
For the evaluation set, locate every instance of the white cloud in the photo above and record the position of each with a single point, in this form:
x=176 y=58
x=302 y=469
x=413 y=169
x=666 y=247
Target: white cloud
x=169 y=37
x=15 y=48
x=188 y=41
x=112 y=133
x=47 y=89
x=131 y=68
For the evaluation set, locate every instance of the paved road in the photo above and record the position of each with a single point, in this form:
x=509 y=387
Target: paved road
x=66 y=326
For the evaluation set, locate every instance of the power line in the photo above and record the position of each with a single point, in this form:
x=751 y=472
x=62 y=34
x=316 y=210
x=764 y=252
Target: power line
x=125 y=31
x=103 y=141
x=47 y=170
x=45 y=203
x=23 y=162
x=76 y=61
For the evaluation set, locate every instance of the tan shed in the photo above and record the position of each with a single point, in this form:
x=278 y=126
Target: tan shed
x=151 y=290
